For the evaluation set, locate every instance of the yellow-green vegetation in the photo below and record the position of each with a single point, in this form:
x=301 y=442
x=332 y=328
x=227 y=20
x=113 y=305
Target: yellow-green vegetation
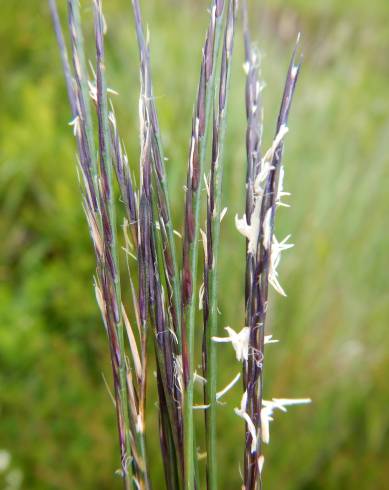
x=56 y=418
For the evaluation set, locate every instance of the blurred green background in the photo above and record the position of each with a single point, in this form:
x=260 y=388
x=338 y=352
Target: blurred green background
x=57 y=427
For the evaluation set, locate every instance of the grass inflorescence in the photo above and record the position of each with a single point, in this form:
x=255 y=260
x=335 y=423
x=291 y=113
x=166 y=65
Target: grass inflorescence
x=166 y=302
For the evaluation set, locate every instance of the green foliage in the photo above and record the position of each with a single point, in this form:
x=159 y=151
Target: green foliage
x=56 y=418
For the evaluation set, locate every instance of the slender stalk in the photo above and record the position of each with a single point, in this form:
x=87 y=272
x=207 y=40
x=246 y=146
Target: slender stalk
x=123 y=175
x=64 y=55
x=101 y=230
x=260 y=207
x=81 y=77
x=124 y=179
x=253 y=150
x=197 y=157
x=165 y=218
x=162 y=255
x=213 y=242
x=269 y=205
x=163 y=241
x=254 y=115
x=107 y=205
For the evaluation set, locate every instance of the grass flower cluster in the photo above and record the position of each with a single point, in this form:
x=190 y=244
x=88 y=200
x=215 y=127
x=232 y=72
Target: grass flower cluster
x=167 y=303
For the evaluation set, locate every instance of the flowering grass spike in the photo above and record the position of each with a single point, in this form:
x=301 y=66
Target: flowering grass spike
x=148 y=298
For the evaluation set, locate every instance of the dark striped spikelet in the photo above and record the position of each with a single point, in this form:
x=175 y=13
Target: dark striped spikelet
x=163 y=295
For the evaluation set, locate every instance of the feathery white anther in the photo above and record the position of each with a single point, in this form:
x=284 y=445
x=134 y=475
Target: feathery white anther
x=266 y=162
x=268 y=408
x=220 y=393
x=251 y=231
x=280 y=189
x=240 y=341
x=241 y=412
x=248 y=231
x=227 y=388
x=275 y=256
x=269 y=340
